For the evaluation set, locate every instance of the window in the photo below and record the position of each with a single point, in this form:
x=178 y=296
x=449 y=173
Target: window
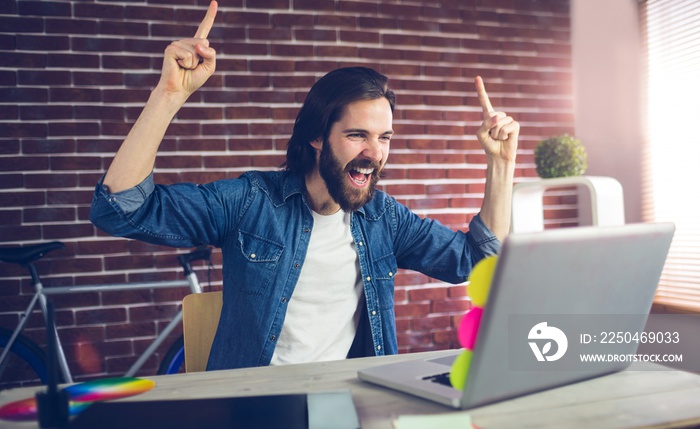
x=672 y=189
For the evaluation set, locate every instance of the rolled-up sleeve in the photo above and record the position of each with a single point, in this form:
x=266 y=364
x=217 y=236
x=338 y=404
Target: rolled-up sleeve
x=484 y=237
x=128 y=200
x=109 y=211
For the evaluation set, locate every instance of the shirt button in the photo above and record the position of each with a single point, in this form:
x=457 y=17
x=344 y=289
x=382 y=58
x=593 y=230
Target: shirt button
x=252 y=256
x=374 y=312
x=297 y=265
x=273 y=338
x=391 y=274
x=359 y=244
x=379 y=347
x=284 y=299
x=368 y=278
x=307 y=230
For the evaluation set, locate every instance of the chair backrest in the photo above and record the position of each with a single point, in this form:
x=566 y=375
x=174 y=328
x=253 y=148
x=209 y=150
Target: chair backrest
x=200 y=318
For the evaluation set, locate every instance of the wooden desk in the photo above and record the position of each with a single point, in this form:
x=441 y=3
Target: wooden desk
x=655 y=399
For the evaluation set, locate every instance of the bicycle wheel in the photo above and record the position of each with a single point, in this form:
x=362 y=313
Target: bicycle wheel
x=174 y=360
x=25 y=365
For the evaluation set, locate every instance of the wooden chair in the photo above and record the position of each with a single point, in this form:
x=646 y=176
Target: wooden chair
x=200 y=318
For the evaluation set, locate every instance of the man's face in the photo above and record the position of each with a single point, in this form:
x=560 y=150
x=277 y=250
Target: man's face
x=356 y=151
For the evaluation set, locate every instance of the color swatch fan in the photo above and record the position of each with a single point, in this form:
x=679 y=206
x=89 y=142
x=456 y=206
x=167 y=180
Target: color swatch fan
x=81 y=396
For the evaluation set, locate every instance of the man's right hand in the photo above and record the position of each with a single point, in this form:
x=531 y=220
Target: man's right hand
x=188 y=63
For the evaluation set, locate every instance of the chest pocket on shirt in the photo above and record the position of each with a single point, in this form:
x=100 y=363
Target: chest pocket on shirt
x=384 y=273
x=261 y=256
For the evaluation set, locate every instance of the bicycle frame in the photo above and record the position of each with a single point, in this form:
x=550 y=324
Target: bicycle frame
x=42 y=292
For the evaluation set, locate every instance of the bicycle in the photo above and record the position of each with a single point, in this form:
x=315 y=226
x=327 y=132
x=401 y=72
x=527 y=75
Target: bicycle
x=28 y=360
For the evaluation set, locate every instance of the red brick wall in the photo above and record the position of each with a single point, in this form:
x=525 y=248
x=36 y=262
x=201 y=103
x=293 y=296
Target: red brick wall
x=75 y=74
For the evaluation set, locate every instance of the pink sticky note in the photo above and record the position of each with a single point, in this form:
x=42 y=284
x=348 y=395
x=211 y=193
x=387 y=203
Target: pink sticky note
x=469 y=327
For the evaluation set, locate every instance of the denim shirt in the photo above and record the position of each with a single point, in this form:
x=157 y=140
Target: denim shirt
x=262 y=223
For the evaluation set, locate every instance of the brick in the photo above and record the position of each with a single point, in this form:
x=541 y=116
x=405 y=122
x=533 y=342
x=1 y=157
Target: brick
x=445 y=339
x=152 y=312
x=400 y=10
x=139 y=79
x=275 y=34
x=73 y=129
x=43 y=111
x=170 y=294
x=23 y=95
x=17 y=60
x=151 y=13
x=73 y=61
x=245 y=144
x=451 y=305
x=430 y=323
x=58 y=232
x=10 y=146
x=42 y=43
x=8 y=77
x=245 y=17
x=21 y=199
x=412 y=309
x=43 y=8
x=18 y=130
x=93 y=78
x=275 y=128
x=100 y=316
x=270 y=4
x=76 y=300
x=427 y=294
x=456 y=188
x=7 y=41
x=292 y=50
x=413 y=338
x=359 y=7
x=291 y=20
x=16 y=24
x=97 y=44
x=248 y=112
x=271 y=97
x=359 y=36
x=42 y=181
x=125 y=62
x=131 y=330
x=70 y=26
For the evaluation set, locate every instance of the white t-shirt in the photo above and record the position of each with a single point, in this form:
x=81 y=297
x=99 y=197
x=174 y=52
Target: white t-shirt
x=323 y=312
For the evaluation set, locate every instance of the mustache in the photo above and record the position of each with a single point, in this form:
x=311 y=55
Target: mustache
x=363 y=163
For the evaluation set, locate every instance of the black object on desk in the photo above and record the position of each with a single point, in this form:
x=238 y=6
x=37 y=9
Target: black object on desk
x=328 y=410
x=52 y=405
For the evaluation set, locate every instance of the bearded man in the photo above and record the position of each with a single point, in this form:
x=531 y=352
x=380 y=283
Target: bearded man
x=310 y=251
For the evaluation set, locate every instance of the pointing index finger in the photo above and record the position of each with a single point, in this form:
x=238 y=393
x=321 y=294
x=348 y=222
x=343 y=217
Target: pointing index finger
x=207 y=22
x=483 y=96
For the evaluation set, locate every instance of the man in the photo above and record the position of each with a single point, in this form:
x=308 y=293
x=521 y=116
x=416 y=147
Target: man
x=309 y=253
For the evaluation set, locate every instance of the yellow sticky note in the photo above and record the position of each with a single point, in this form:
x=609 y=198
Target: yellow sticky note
x=460 y=370
x=480 y=280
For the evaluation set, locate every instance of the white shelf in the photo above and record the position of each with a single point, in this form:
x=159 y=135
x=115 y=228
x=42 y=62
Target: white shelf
x=606 y=201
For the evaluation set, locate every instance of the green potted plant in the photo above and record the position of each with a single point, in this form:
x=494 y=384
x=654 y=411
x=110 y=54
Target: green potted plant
x=560 y=156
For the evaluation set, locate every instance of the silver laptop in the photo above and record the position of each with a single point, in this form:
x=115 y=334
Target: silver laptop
x=555 y=296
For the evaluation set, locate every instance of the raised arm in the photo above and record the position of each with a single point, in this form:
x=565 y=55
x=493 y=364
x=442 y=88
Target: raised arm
x=498 y=136
x=187 y=64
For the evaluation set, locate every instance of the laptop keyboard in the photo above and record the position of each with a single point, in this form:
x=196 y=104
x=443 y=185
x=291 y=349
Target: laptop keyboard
x=443 y=379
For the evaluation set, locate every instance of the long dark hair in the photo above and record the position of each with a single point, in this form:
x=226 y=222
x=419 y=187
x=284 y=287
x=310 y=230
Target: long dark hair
x=324 y=105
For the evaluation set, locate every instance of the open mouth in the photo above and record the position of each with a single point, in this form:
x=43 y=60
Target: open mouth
x=360 y=176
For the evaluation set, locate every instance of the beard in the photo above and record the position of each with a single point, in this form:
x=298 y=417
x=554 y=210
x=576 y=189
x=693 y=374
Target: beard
x=335 y=175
